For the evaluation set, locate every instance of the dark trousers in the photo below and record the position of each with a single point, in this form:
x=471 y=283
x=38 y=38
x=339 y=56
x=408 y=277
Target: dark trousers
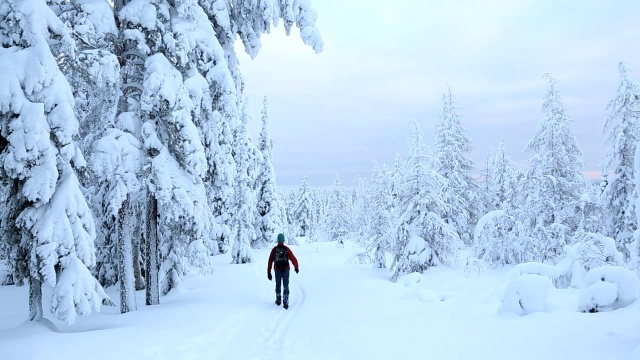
x=282 y=278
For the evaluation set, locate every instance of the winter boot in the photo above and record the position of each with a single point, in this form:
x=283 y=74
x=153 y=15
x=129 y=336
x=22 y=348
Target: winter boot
x=278 y=301
x=285 y=305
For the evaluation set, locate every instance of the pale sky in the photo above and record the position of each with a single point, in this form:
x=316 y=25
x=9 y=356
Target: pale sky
x=388 y=62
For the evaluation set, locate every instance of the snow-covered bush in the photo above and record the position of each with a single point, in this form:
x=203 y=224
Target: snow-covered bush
x=609 y=288
x=5 y=274
x=417 y=255
x=474 y=267
x=568 y=272
x=525 y=294
x=380 y=260
x=494 y=239
x=596 y=250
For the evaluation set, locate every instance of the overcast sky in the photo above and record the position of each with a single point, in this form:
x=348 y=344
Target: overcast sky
x=388 y=62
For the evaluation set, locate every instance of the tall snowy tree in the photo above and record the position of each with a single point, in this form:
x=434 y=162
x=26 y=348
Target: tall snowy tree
x=555 y=179
x=499 y=180
x=220 y=187
x=380 y=206
x=245 y=201
x=268 y=211
x=337 y=214
x=303 y=209
x=422 y=236
x=116 y=159
x=53 y=240
x=622 y=133
x=452 y=147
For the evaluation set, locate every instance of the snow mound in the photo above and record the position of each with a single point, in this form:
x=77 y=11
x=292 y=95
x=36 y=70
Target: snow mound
x=609 y=288
x=412 y=281
x=525 y=294
x=423 y=295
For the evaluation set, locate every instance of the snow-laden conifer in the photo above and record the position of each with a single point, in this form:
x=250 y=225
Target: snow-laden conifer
x=245 y=201
x=336 y=216
x=452 y=148
x=268 y=222
x=116 y=160
x=302 y=209
x=422 y=237
x=622 y=133
x=94 y=73
x=554 y=183
x=499 y=181
x=54 y=238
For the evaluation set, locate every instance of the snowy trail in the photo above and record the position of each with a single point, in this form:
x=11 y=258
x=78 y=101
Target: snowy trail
x=263 y=324
x=338 y=311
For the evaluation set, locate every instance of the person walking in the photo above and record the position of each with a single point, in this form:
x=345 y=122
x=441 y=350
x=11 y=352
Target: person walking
x=279 y=258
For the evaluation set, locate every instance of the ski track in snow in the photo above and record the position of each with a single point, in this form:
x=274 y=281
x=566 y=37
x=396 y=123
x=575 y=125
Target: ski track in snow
x=277 y=340
x=279 y=320
x=271 y=327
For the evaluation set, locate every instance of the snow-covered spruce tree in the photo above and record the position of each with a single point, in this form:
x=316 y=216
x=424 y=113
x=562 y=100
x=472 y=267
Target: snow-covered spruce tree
x=361 y=217
x=287 y=208
x=164 y=43
x=422 y=237
x=219 y=181
x=53 y=240
x=95 y=78
x=245 y=201
x=269 y=217
x=116 y=159
x=452 y=148
x=380 y=202
x=94 y=73
x=555 y=181
x=319 y=200
x=622 y=133
x=499 y=180
x=336 y=217
x=592 y=219
x=303 y=209
x=634 y=247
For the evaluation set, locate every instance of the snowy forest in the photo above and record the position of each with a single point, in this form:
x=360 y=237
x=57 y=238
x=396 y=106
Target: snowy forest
x=126 y=162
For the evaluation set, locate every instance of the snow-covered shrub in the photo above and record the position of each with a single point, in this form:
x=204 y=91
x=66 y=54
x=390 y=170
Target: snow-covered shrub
x=418 y=255
x=5 y=275
x=474 y=267
x=609 y=288
x=568 y=271
x=595 y=250
x=495 y=241
x=380 y=260
x=525 y=294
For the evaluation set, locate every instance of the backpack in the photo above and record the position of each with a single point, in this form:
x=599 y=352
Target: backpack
x=281 y=258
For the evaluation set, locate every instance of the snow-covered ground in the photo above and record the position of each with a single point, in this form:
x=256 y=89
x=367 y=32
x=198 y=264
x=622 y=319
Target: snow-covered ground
x=338 y=310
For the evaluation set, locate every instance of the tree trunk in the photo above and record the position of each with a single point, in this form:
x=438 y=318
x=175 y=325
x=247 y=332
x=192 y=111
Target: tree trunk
x=125 y=260
x=152 y=263
x=137 y=269
x=35 y=299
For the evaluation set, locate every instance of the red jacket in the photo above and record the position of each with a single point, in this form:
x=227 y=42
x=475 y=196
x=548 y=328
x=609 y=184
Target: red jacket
x=292 y=258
